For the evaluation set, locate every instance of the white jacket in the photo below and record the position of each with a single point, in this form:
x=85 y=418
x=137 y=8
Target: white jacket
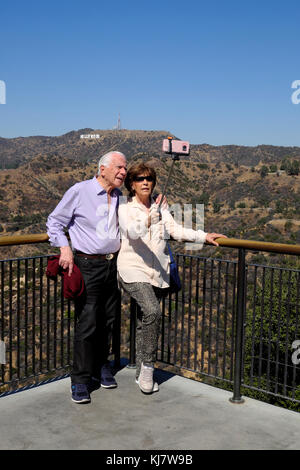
x=144 y=255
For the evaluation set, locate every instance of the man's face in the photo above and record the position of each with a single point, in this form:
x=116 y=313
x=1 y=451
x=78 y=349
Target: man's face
x=115 y=173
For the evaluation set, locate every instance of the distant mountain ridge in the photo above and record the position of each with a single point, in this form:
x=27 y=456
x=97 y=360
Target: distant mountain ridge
x=245 y=192
x=17 y=151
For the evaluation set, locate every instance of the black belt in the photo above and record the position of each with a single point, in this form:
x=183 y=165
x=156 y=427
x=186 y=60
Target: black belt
x=107 y=257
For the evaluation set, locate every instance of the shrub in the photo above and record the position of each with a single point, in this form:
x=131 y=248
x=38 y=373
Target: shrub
x=264 y=171
x=216 y=206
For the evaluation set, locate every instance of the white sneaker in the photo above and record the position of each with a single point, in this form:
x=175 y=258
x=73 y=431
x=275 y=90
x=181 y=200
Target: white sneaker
x=155 y=385
x=145 y=380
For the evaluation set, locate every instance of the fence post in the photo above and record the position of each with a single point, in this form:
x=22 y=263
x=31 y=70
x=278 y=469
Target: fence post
x=133 y=309
x=236 y=398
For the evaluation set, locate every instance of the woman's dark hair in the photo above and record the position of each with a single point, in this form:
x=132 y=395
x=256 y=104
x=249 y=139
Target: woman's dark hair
x=138 y=169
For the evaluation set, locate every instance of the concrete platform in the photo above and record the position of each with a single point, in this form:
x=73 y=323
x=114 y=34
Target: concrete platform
x=184 y=414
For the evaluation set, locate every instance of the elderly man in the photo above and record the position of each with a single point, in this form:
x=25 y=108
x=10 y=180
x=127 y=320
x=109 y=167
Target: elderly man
x=89 y=211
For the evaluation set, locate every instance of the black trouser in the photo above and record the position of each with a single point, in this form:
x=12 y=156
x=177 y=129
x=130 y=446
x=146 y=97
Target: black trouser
x=95 y=312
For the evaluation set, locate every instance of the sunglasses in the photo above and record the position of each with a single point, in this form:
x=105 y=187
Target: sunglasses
x=139 y=179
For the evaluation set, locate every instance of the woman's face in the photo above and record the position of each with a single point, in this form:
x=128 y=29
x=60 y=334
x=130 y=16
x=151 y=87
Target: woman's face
x=143 y=186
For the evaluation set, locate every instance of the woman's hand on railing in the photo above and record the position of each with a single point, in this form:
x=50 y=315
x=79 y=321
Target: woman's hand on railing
x=210 y=238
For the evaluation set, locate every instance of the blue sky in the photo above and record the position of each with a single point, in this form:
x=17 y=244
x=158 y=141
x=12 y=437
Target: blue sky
x=215 y=72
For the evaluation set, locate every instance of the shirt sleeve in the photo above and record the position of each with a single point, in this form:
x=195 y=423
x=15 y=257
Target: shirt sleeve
x=179 y=232
x=61 y=218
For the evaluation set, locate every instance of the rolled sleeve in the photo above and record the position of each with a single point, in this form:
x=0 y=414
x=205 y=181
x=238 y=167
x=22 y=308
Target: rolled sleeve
x=179 y=232
x=200 y=236
x=61 y=218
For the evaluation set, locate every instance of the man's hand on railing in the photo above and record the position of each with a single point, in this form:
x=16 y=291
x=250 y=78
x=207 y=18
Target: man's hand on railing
x=66 y=259
x=210 y=238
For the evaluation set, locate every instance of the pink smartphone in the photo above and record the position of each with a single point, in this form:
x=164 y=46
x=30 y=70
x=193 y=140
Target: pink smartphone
x=179 y=147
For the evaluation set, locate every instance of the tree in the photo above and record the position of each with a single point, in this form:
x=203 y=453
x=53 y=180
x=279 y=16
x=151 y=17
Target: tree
x=273 y=168
x=280 y=206
x=291 y=167
x=204 y=198
x=285 y=163
x=217 y=206
x=264 y=171
x=294 y=168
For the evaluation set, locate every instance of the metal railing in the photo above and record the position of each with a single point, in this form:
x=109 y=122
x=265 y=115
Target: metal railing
x=36 y=323
x=233 y=322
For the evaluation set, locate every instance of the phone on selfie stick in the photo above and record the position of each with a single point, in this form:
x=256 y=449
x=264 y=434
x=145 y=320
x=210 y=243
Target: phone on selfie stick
x=175 y=148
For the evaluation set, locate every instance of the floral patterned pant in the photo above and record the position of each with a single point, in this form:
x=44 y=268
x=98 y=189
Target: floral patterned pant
x=148 y=320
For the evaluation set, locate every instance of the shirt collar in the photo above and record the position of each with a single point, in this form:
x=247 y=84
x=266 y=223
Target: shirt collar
x=100 y=190
x=135 y=203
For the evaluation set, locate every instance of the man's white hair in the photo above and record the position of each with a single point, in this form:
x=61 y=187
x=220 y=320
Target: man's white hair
x=105 y=160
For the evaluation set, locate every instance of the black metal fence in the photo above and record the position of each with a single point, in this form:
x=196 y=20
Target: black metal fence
x=198 y=322
x=271 y=331
x=233 y=322
x=36 y=324
x=236 y=323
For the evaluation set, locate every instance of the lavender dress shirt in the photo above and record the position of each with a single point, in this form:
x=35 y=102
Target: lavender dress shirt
x=91 y=223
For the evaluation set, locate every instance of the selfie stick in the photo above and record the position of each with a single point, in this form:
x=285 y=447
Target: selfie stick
x=175 y=157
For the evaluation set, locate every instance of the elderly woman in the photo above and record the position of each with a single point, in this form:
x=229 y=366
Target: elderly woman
x=143 y=262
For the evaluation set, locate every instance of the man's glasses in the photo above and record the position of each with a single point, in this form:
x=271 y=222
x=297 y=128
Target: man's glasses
x=139 y=179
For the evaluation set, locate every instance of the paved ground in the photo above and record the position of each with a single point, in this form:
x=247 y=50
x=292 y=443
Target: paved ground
x=185 y=415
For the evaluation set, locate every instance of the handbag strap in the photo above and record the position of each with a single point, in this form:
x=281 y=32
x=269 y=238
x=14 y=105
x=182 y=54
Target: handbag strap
x=170 y=253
